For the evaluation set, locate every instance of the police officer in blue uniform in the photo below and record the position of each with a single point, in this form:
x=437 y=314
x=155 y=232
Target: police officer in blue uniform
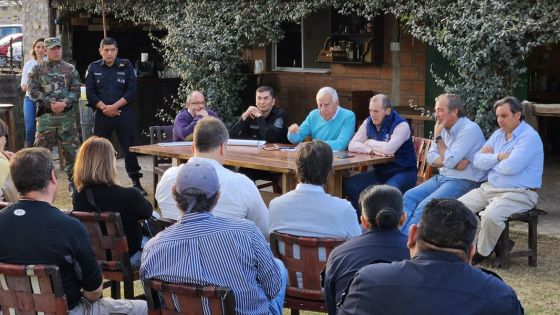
x=111 y=88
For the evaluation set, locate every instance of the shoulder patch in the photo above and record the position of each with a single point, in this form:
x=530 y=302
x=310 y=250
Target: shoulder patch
x=279 y=122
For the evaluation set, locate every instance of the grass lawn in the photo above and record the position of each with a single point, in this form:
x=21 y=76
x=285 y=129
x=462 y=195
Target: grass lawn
x=537 y=288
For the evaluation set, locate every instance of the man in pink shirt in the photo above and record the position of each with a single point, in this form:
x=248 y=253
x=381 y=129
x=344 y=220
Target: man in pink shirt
x=384 y=132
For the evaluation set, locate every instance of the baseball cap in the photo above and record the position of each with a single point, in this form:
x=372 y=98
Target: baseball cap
x=200 y=175
x=52 y=42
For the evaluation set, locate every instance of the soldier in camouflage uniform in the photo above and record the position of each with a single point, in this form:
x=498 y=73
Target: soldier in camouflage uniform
x=55 y=87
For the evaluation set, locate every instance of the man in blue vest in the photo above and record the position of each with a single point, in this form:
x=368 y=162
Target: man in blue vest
x=385 y=133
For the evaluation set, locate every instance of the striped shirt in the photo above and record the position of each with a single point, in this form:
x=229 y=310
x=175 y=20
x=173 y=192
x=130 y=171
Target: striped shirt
x=203 y=249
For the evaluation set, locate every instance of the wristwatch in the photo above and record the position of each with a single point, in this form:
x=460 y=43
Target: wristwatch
x=438 y=138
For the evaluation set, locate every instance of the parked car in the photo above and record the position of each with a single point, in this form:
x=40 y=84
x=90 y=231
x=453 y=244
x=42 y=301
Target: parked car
x=5 y=42
x=16 y=40
x=17 y=55
x=9 y=29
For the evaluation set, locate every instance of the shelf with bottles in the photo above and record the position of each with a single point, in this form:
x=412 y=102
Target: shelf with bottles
x=353 y=40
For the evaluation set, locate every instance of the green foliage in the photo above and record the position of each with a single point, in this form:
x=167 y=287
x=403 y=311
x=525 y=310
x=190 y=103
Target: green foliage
x=485 y=41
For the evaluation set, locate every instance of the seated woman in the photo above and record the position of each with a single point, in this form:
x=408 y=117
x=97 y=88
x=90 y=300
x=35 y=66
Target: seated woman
x=95 y=175
x=382 y=213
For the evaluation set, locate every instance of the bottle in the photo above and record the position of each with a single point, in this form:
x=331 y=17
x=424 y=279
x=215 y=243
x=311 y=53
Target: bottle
x=350 y=51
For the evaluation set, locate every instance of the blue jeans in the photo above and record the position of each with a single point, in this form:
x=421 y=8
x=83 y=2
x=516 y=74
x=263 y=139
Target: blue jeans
x=277 y=303
x=438 y=186
x=355 y=184
x=29 y=111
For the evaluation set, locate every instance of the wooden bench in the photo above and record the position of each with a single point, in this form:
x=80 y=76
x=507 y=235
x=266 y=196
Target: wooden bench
x=502 y=250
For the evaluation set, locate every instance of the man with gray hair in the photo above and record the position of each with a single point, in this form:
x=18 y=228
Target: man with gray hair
x=205 y=249
x=385 y=133
x=239 y=197
x=456 y=141
x=185 y=121
x=514 y=157
x=329 y=122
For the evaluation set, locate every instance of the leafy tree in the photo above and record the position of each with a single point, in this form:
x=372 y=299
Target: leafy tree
x=485 y=41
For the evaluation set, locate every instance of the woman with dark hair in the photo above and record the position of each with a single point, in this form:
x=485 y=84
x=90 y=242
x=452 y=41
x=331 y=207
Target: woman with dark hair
x=382 y=213
x=95 y=173
x=38 y=52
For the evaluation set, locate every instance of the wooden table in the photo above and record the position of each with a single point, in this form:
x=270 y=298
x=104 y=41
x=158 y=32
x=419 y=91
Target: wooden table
x=277 y=161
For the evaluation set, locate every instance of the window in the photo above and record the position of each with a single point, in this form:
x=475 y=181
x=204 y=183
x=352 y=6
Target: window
x=302 y=42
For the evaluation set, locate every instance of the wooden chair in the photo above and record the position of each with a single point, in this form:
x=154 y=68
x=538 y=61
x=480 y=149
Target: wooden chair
x=111 y=249
x=421 y=147
x=502 y=250
x=31 y=289
x=163 y=223
x=305 y=258
x=159 y=134
x=178 y=299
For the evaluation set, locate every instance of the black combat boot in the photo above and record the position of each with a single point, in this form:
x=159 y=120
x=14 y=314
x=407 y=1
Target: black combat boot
x=136 y=184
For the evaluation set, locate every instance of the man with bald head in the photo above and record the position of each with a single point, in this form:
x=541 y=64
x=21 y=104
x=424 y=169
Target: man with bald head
x=329 y=122
x=194 y=110
x=385 y=133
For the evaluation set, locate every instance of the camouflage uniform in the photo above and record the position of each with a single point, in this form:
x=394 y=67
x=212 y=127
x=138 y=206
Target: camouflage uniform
x=51 y=81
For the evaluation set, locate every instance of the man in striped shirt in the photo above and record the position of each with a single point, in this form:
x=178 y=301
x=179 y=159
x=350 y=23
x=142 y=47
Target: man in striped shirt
x=203 y=249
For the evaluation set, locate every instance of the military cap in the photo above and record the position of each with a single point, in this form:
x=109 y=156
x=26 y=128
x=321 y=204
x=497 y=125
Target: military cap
x=52 y=42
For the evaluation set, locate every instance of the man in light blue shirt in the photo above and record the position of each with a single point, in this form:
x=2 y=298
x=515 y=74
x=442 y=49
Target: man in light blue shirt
x=514 y=157
x=457 y=139
x=329 y=122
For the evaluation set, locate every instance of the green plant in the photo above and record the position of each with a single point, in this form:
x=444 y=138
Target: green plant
x=485 y=41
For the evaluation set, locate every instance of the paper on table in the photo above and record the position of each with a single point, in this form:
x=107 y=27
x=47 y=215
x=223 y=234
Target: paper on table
x=175 y=144
x=251 y=143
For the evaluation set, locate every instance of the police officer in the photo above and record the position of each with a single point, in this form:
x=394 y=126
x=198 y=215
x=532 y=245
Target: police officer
x=55 y=87
x=111 y=87
x=265 y=121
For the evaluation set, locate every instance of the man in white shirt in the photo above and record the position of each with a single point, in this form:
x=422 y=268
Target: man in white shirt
x=308 y=210
x=239 y=196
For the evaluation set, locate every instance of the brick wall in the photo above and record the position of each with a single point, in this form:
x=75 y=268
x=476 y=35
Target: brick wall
x=296 y=91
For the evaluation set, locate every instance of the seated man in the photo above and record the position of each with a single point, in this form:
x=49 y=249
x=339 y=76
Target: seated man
x=514 y=155
x=39 y=233
x=195 y=109
x=438 y=279
x=308 y=210
x=384 y=132
x=204 y=249
x=329 y=122
x=382 y=212
x=263 y=121
x=239 y=196
x=457 y=139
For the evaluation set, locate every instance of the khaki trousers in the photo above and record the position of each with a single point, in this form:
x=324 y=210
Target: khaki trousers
x=498 y=204
x=108 y=306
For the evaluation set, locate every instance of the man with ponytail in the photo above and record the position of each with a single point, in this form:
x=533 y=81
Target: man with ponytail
x=382 y=212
